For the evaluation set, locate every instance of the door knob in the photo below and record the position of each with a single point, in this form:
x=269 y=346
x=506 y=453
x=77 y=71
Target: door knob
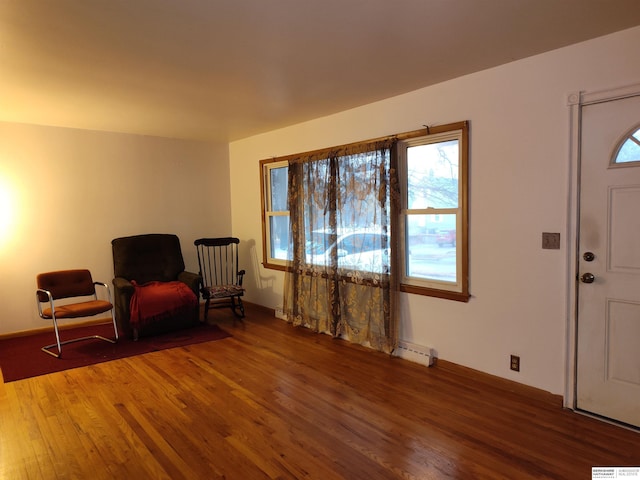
x=587 y=278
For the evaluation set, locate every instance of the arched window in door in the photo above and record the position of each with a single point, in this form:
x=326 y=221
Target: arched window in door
x=629 y=148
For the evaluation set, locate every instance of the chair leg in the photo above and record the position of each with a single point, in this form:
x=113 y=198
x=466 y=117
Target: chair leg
x=206 y=309
x=115 y=327
x=58 y=344
x=46 y=348
x=238 y=308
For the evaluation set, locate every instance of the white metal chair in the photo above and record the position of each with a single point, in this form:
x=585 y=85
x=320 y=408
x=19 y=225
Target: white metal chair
x=71 y=284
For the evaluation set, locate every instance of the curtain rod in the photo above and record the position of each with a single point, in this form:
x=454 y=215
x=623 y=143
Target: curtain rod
x=428 y=130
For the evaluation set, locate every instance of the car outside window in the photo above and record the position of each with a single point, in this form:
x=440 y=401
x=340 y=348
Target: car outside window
x=355 y=251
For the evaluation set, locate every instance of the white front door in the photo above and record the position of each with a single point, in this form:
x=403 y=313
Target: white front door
x=608 y=307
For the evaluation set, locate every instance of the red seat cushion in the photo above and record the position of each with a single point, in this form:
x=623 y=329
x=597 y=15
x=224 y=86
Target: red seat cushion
x=82 y=309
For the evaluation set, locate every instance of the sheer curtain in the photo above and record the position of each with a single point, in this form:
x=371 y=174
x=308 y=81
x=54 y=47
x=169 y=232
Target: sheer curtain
x=342 y=279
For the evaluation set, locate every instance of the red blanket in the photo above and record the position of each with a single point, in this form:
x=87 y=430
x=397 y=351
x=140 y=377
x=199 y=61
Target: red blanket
x=156 y=301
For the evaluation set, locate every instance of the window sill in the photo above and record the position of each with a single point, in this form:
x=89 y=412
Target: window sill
x=433 y=292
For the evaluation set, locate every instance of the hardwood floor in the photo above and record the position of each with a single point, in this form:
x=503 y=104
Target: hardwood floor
x=280 y=402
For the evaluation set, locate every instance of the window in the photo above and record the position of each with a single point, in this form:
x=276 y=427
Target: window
x=629 y=150
x=276 y=214
x=433 y=184
x=357 y=239
x=431 y=237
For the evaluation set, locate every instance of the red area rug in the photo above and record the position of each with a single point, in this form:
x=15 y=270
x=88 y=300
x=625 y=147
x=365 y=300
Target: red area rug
x=21 y=357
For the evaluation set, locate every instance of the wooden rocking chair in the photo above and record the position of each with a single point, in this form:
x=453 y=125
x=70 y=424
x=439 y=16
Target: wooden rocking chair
x=221 y=279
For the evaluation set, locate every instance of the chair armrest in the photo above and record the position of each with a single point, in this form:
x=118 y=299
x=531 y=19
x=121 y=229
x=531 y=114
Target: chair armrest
x=123 y=285
x=44 y=292
x=193 y=280
x=240 y=277
x=40 y=301
x=123 y=290
x=106 y=287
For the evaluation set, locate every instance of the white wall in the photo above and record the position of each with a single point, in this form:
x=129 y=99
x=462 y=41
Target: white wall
x=72 y=191
x=519 y=162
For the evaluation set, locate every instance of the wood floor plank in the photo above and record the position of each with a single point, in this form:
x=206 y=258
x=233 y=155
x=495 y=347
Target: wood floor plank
x=277 y=402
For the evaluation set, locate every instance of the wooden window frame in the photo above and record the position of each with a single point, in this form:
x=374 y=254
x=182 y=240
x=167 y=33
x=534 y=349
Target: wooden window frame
x=463 y=235
x=267 y=213
x=460 y=290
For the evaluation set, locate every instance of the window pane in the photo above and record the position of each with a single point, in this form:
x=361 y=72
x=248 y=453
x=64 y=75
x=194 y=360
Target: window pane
x=279 y=229
x=279 y=181
x=431 y=242
x=630 y=151
x=432 y=172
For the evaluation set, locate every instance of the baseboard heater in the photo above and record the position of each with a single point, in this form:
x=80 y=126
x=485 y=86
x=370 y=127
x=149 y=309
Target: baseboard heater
x=279 y=311
x=408 y=351
x=415 y=353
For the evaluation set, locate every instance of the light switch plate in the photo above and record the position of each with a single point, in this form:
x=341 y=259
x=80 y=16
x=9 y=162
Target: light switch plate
x=551 y=241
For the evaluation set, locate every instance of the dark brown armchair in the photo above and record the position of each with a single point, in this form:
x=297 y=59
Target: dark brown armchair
x=150 y=258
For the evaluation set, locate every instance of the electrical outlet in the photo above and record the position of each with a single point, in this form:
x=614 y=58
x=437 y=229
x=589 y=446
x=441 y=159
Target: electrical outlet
x=515 y=363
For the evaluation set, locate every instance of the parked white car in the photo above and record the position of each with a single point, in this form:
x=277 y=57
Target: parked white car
x=357 y=249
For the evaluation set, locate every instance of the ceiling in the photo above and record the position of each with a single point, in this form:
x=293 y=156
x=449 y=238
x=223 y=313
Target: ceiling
x=222 y=70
